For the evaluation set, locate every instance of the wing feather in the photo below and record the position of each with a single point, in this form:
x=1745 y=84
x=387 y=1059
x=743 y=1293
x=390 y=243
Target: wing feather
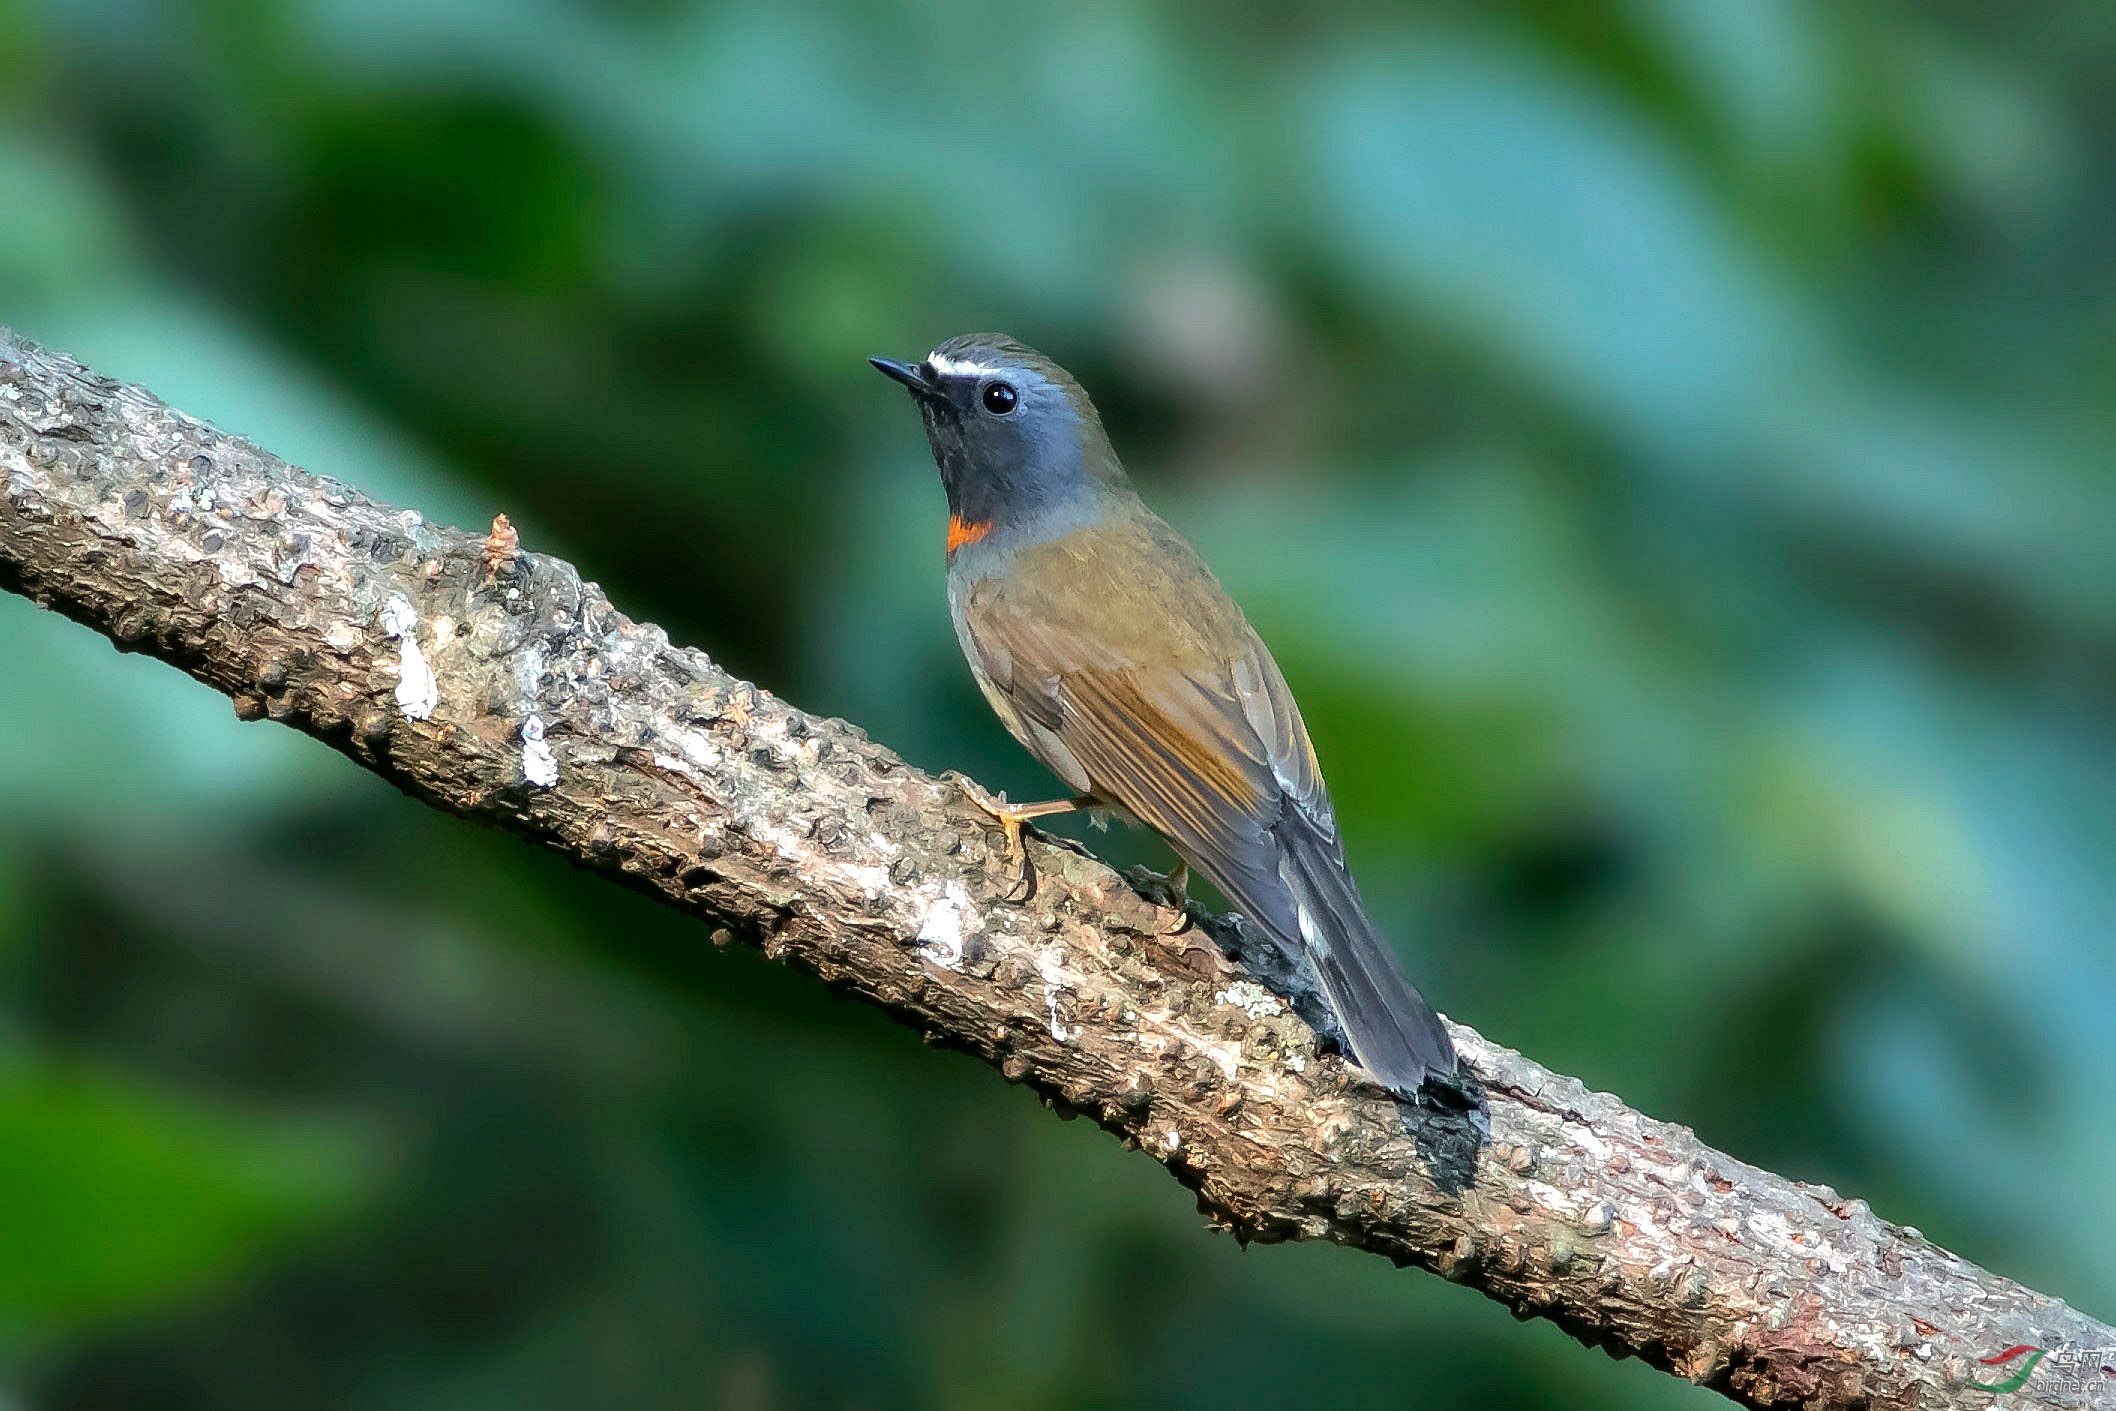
x=1175 y=742
x=1155 y=695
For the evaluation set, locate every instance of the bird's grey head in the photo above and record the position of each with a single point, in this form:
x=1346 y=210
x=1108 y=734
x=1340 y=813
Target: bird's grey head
x=1015 y=438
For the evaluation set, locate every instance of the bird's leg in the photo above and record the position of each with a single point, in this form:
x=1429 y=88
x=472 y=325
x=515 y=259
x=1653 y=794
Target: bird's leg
x=1010 y=818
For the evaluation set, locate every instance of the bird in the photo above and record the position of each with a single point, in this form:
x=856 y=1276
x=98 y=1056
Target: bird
x=1112 y=654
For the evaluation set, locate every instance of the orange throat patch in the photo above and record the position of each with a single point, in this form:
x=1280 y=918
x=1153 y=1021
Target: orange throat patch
x=963 y=531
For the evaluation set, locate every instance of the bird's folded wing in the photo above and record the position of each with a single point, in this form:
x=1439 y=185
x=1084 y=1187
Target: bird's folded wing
x=1184 y=719
x=1207 y=749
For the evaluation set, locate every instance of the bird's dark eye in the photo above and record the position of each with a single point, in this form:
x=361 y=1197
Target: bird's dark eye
x=1000 y=398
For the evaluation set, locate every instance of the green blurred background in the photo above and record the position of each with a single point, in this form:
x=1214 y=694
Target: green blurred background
x=1668 y=443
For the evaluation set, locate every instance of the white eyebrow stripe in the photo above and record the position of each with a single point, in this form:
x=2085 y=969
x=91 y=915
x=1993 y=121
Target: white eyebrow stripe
x=950 y=367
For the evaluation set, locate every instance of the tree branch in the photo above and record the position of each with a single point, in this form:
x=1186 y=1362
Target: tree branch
x=495 y=684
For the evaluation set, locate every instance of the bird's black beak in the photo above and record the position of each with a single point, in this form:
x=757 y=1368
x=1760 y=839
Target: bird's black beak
x=916 y=376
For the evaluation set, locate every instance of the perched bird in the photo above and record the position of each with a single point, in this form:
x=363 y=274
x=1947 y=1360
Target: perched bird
x=1116 y=658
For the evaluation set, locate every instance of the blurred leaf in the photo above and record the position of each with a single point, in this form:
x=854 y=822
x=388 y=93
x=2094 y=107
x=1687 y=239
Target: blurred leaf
x=71 y=251
x=118 y=1197
x=1548 y=228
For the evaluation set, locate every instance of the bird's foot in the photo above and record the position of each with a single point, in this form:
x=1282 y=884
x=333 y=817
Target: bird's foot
x=1010 y=822
x=1010 y=817
x=1170 y=891
x=1191 y=945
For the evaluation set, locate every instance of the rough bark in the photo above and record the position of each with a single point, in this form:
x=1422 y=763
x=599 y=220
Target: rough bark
x=494 y=683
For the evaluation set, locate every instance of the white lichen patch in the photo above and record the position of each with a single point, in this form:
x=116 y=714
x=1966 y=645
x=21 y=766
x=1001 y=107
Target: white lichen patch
x=529 y=669
x=1252 y=999
x=699 y=749
x=418 y=692
x=1774 y=1232
x=789 y=839
x=1050 y=967
x=539 y=765
x=1563 y=1202
x=940 y=930
x=1162 y=1034
x=869 y=882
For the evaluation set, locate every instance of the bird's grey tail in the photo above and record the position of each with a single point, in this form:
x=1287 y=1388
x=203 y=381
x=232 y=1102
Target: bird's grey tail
x=1395 y=1034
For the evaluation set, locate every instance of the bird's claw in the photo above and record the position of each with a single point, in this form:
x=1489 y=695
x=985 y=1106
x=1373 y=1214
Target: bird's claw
x=1169 y=891
x=1023 y=881
x=1190 y=945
